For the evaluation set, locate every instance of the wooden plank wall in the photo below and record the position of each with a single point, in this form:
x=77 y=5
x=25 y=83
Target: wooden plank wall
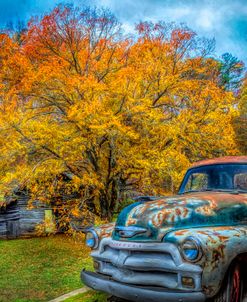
x=16 y=220
x=8 y=216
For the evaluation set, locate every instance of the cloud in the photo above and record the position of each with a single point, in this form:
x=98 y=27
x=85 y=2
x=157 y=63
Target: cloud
x=222 y=19
x=226 y=21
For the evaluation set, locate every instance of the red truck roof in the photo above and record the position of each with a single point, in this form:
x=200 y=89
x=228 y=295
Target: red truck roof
x=221 y=160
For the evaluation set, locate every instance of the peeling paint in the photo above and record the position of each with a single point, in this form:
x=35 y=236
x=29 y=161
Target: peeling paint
x=217 y=220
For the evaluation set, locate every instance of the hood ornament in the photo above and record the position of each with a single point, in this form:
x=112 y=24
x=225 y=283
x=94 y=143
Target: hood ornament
x=129 y=231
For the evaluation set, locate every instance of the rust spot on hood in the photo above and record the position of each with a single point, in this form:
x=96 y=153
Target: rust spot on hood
x=187 y=210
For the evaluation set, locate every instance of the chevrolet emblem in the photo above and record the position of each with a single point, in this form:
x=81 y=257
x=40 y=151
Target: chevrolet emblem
x=130 y=231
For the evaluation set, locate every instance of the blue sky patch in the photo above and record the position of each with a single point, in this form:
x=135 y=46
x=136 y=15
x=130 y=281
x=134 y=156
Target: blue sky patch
x=224 y=20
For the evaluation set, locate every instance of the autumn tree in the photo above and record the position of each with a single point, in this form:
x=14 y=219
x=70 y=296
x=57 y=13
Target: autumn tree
x=87 y=112
x=179 y=87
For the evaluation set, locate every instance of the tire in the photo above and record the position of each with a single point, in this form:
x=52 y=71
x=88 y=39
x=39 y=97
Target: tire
x=233 y=287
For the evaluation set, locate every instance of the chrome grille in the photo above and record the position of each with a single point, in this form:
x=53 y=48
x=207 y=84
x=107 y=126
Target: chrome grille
x=150 y=264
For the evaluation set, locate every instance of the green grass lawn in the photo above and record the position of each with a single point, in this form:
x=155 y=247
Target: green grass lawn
x=40 y=269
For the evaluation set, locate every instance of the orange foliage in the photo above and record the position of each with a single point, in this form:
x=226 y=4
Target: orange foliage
x=87 y=110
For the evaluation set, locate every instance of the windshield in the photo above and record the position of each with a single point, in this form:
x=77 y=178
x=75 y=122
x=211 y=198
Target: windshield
x=224 y=177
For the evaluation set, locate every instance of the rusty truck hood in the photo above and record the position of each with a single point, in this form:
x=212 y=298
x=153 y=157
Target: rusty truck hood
x=180 y=212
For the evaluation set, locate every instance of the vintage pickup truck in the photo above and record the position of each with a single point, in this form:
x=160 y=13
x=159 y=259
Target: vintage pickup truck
x=188 y=247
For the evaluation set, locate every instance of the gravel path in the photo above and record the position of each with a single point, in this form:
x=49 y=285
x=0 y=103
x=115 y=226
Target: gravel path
x=71 y=294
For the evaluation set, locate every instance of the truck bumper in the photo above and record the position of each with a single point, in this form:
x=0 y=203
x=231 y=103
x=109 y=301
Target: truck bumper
x=136 y=293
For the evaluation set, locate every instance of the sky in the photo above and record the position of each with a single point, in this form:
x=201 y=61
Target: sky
x=224 y=20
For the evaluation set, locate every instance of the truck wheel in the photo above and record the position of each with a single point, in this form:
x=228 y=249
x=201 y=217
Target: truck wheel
x=233 y=288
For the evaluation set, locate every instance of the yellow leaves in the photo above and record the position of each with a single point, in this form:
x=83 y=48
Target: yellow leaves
x=98 y=117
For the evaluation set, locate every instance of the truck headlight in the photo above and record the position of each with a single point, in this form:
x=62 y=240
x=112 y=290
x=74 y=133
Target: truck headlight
x=92 y=239
x=191 y=249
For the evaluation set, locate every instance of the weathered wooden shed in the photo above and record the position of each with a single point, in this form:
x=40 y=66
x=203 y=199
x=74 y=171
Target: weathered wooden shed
x=17 y=219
